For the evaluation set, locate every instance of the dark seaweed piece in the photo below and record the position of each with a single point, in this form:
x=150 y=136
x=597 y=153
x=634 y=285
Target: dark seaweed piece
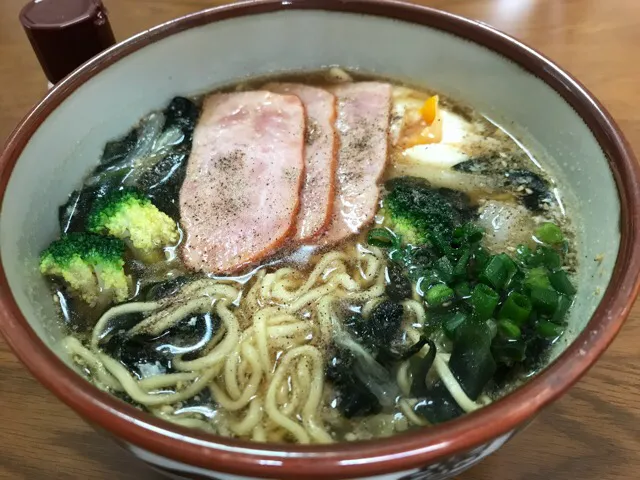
x=388 y=355
x=73 y=310
x=136 y=351
x=536 y=192
x=203 y=397
x=187 y=338
x=353 y=398
x=398 y=286
x=509 y=350
x=438 y=405
x=190 y=334
x=537 y=351
x=182 y=113
x=72 y=216
x=116 y=150
x=419 y=368
x=471 y=360
x=384 y=322
x=163 y=181
x=461 y=202
x=379 y=329
x=474 y=165
x=163 y=289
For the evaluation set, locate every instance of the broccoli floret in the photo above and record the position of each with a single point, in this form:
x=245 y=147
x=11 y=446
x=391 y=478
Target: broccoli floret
x=420 y=213
x=129 y=215
x=91 y=265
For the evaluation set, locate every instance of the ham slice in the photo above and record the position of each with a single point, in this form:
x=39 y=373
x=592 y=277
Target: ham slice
x=316 y=198
x=240 y=197
x=363 y=126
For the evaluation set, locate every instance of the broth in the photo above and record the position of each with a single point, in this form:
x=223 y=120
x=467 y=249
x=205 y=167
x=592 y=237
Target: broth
x=444 y=300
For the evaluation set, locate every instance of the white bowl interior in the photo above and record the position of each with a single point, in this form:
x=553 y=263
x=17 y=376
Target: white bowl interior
x=69 y=142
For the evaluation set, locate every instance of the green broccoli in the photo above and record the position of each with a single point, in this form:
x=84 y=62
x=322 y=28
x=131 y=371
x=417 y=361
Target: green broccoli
x=422 y=214
x=91 y=265
x=129 y=215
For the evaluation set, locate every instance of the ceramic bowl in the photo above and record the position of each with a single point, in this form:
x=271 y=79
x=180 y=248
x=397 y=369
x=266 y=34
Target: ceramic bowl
x=61 y=140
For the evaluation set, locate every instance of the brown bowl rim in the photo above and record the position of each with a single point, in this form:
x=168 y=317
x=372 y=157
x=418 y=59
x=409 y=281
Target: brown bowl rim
x=405 y=451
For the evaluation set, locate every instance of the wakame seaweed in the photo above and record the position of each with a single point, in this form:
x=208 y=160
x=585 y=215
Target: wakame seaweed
x=160 y=181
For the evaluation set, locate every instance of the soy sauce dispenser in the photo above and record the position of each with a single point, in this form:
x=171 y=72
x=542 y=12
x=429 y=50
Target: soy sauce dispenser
x=66 y=33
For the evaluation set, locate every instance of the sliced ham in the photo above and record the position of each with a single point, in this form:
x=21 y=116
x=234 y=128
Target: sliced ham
x=363 y=126
x=240 y=197
x=316 y=199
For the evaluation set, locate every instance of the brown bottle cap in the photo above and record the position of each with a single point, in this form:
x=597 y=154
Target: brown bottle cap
x=66 y=33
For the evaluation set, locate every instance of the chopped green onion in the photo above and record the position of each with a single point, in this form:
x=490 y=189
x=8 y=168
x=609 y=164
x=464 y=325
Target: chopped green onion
x=398 y=255
x=439 y=294
x=468 y=233
x=537 y=278
x=546 y=257
x=545 y=300
x=484 y=301
x=498 y=271
x=452 y=323
x=463 y=290
x=516 y=308
x=382 y=238
x=549 y=329
x=509 y=329
x=564 y=304
x=460 y=270
x=494 y=273
x=444 y=269
x=549 y=233
x=560 y=281
x=523 y=254
x=479 y=259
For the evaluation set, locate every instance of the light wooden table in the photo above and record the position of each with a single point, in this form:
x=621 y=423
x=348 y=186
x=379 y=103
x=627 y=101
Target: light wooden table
x=592 y=433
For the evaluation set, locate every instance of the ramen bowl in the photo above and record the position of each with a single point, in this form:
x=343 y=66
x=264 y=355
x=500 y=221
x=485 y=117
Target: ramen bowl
x=59 y=141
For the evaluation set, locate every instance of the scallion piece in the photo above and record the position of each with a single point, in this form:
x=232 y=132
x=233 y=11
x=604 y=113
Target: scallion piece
x=460 y=270
x=545 y=300
x=468 y=233
x=479 y=259
x=438 y=295
x=494 y=273
x=549 y=329
x=560 y=281
x=444 y=269
x=549 y=233
x=564 y=304
x=463 y=290
x=537 y=278
x=546 y=257
x=484 y=301
x=498 y=271
x=523 y=254
x=382 y=238
x=516 y=308
x=509 y=329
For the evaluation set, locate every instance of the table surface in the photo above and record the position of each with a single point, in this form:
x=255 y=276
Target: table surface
x=592 y=433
